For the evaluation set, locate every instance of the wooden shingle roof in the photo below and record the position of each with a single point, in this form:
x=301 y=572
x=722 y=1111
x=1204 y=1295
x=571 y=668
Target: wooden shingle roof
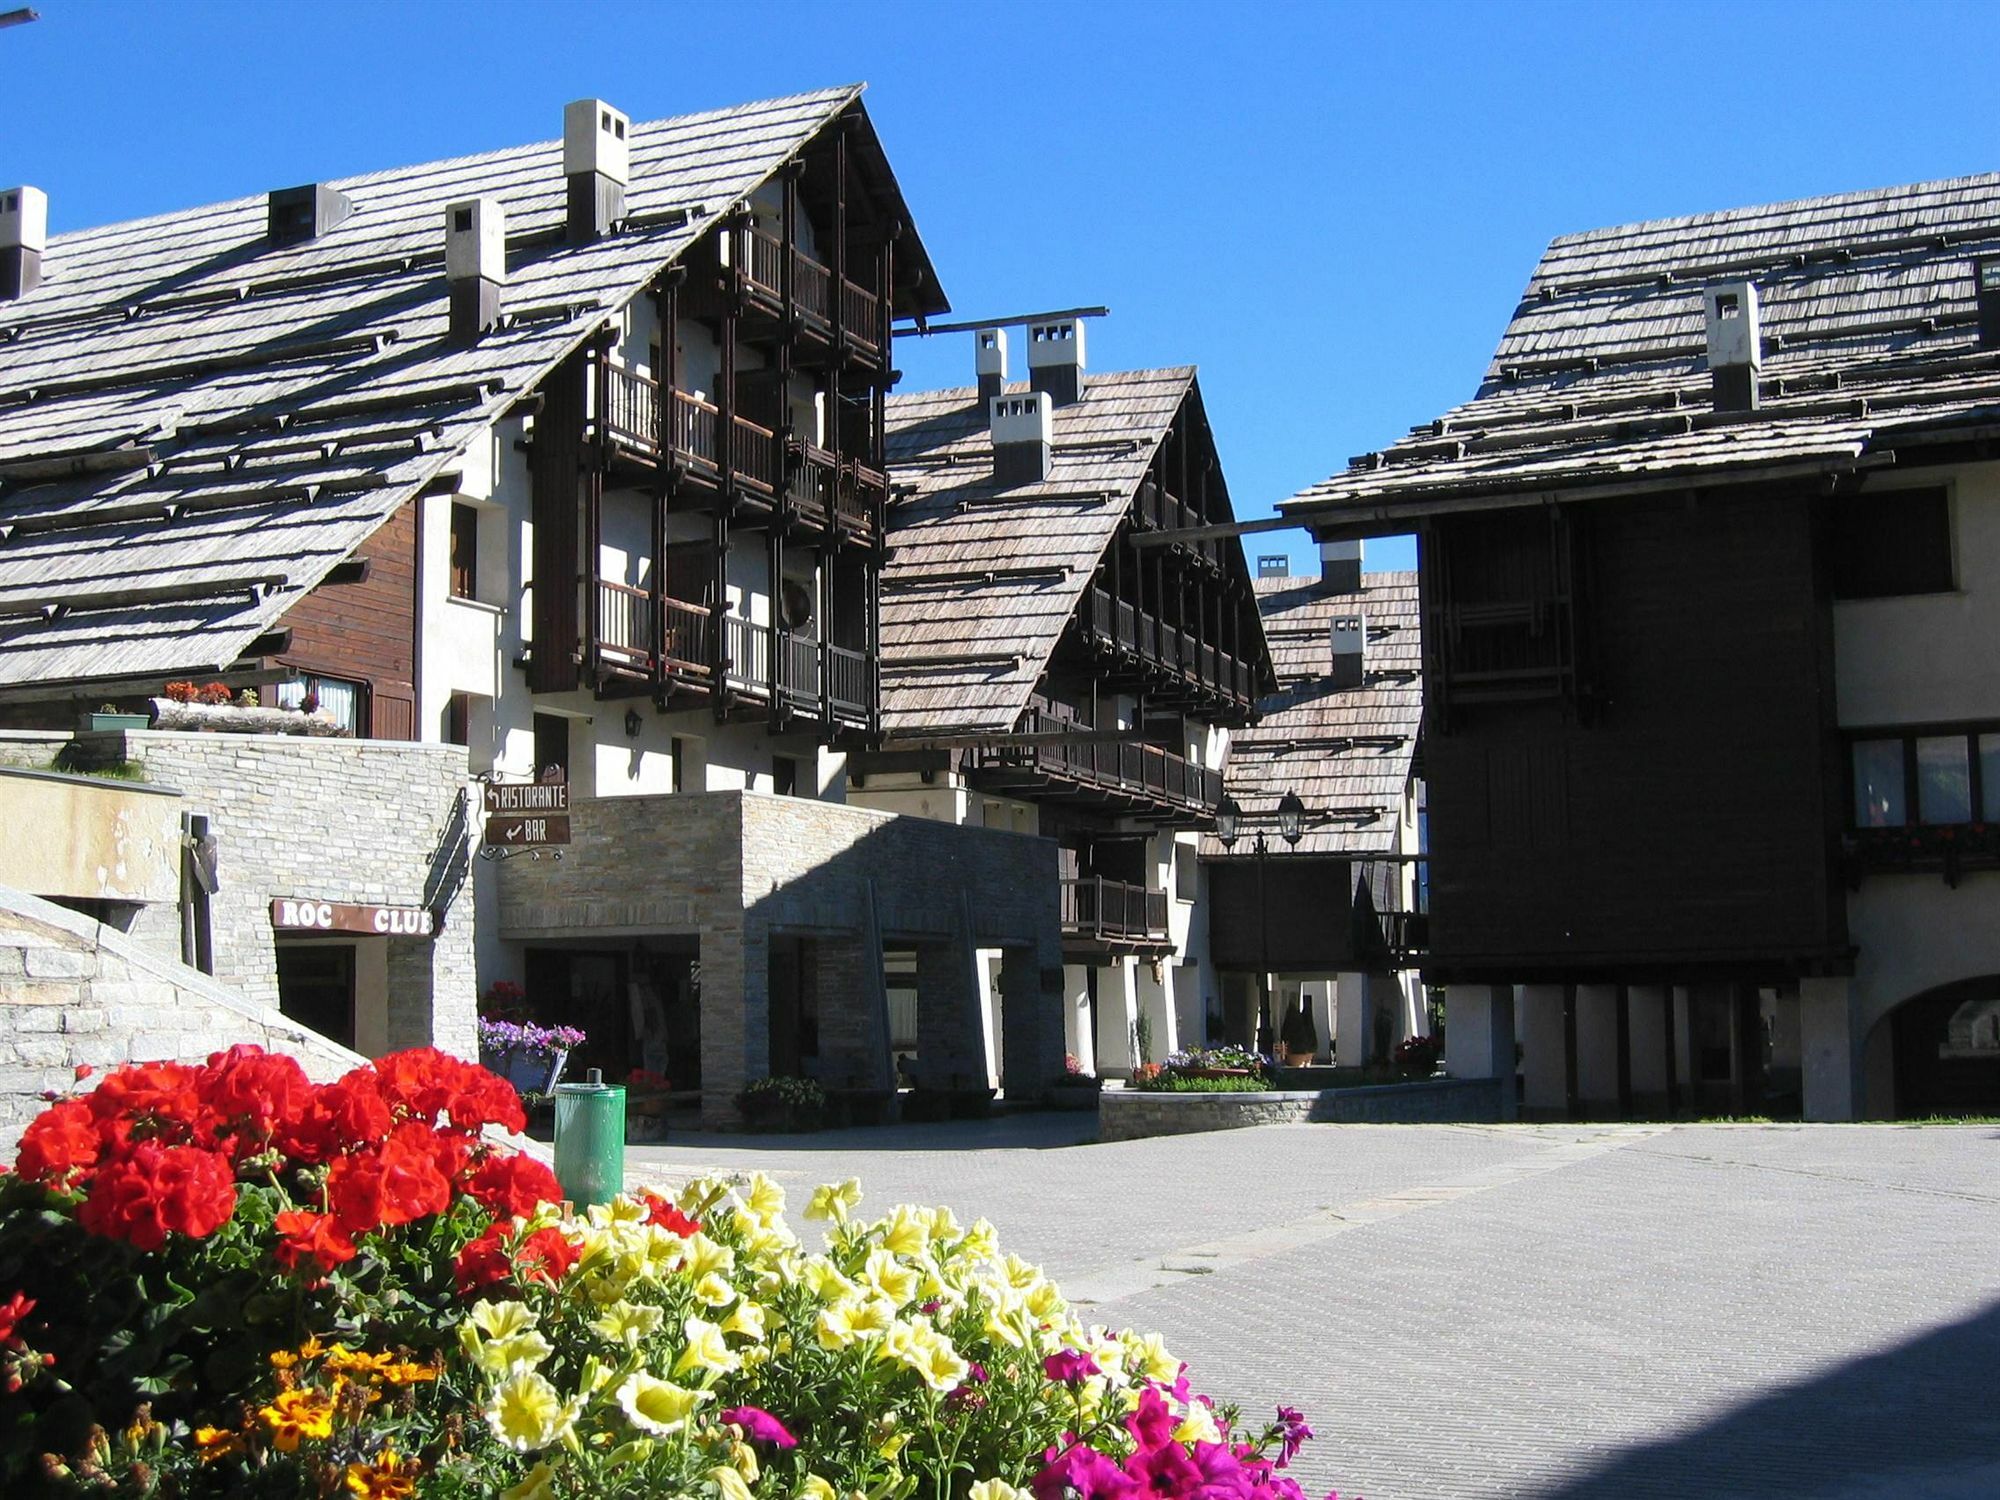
x=196 y=424
x=1347 y=752
x=1870 y=341
x=981 y=580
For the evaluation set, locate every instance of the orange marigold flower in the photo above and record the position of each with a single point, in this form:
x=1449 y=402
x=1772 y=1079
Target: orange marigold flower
x=296 y=1415
x=217 y=1443
x=390 y=1477
x=402 y=1372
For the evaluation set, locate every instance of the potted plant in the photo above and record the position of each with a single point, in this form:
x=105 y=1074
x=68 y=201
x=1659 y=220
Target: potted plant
x=528 y=1056
x=110 y=716
x=783 y=1104
x=1299 y=1037
x=1417 y=1056
x=1073 y=1087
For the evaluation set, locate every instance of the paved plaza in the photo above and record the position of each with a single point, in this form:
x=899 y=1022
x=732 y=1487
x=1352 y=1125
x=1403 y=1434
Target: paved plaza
x=1535 y=1312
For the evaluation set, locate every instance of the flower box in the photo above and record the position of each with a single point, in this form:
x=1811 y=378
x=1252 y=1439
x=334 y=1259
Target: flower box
x=99 y=722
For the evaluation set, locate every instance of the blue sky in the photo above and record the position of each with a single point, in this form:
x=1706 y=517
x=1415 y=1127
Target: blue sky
x=1330 y=209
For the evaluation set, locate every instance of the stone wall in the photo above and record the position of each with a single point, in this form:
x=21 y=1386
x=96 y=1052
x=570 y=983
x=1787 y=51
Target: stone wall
x=736 y=868
x=1127 y=1114
x=72 y=992
x=369 y=822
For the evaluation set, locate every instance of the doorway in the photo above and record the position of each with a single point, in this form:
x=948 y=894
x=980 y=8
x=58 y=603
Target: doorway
x=316 y=988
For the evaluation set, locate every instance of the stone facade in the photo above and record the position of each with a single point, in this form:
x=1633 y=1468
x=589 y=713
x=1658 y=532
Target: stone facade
x=736 y=869
x=73 y=991
x=1126 y=1114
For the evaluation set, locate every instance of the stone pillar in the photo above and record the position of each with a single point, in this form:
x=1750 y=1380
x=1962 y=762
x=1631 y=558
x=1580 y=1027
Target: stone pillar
x=1649 y=1049
x=1479 y=1036
x=1544 y=1072
x=1354 y=1020
x=1783 y=1008
x=950 y=1051
x=1597 y=1051
x=1032 y=1002
x=1117 y=1008
x=735 y=1016
x=1828 y=1051
x=853 y=1014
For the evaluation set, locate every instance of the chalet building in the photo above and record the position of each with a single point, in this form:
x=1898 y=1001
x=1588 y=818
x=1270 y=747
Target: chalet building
x=1043 y=674
x=1330 y=919
x=570 y=455
x=1710 y=572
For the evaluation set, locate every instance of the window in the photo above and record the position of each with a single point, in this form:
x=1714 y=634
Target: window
x=1944 y=780
x=680 y=763
x=784 y=776
x=337 y=699
x=458 y=719
x=464 y=551
x=1878 y=784
x=1890 y=542
x=551 y=745
x=1186 y=872
x=1989 y=777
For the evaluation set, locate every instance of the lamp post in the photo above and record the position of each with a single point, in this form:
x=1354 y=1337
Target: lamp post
x=1229 y=828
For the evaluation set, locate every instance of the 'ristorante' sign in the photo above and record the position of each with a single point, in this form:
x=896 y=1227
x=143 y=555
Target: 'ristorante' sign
x=290 y=914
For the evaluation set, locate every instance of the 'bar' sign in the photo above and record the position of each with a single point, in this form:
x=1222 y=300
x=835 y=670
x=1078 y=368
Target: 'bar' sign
x=289 y=914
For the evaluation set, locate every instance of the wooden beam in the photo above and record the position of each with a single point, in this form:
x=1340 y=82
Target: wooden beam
x=1012 y=320
x=1187 y=536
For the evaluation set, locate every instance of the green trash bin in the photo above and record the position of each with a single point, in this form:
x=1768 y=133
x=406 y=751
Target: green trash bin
x=590 y=1140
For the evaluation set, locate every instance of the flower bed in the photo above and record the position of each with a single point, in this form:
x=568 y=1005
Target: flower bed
x=1215 y=1070
x=224 y=1280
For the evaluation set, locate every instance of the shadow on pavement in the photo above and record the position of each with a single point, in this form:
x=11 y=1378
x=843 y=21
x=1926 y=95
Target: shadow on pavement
x=1917 y=1422
x=1023 y=1132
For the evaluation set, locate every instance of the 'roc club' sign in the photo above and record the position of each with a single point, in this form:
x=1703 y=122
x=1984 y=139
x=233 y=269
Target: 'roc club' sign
x=289 y=914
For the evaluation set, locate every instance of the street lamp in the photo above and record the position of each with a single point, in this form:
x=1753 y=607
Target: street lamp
x=1229 y=828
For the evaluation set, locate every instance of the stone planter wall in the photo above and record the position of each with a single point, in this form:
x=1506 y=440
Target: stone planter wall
x=1127 y=1114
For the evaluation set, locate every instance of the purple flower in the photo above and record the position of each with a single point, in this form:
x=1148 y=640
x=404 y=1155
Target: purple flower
x=760 y=1426
x=1069 y=1367
x=1293 y=1433
x=1081 y=1473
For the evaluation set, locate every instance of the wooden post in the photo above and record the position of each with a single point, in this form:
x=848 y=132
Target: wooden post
x=593 y=510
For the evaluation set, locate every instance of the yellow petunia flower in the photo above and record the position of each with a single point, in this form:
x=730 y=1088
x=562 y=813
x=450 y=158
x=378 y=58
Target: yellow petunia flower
x=729 y=1484
x=763 y=1197
x=996 y=1489
x=705 y=1350
x=540 y=1484
x=628 y=1322
x=907 y=1230
x=832 y=1327
x=746 y=1321
x=704 y=1255
x=835 y=1201
x=657 y=1407
x=527 y=1413
x=713 y=1291
x=889 y=1276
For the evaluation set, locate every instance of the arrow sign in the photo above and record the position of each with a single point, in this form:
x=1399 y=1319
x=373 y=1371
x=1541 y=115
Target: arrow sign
x=527 y=832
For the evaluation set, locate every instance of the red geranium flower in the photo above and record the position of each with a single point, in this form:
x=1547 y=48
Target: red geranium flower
x=159 y=1096
x=12 y=1311
x=514 y=1186
x=482 y=1263
x=485 y=1098
x=153 y=1190
x=390 y=1184
x=253 y=1094
x=309 y=1236
x=668 y=1217
x=418 y=1080
x=546 y=1256
x=59 y=1141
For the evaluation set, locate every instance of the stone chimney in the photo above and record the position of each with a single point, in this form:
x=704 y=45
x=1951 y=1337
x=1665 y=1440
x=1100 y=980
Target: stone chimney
x=1023 y=434
x=1349 y=662
x=1340 y=567
x=475 y=265
x=989 y=355
x=296 y=214
x=1735 y=344
x=24 y=234
x=1055 y=360
x=597 y=164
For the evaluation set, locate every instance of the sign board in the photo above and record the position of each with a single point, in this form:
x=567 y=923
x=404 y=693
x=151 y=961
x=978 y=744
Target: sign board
x=291 y=914
x=532 y=832
x=527 y=797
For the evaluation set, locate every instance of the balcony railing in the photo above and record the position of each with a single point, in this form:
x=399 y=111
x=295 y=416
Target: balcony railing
x=1119 y=624
x=810 y=672
x=798 y=669
x=1111 y=910
x=631 y=421
x=848 y=683
x=762 y=259
x=632 y=638
x=1122 y=770
x=815 y=482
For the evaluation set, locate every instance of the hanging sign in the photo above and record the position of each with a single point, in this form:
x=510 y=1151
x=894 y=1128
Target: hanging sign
x=291 y=914
x=551 y=796
x=526 y=832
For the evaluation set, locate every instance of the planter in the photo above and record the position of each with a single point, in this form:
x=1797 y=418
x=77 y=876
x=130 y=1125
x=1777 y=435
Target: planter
x=529 y=1072
x=98 y=723
x=1216 y=1072
x=925 y=1106
x=971 y=1104
x=859 y=1106
x=1076 y=1094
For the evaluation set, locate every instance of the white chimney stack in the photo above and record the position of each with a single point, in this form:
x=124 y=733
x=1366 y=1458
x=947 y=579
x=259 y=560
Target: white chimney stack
x=1023 y=437
x=989 y=353
x=1055 y=360
x=475 y=265
x=1340 y=567
x=597 y=164
x=1735 y=344
x=24 y=235
x=1349 y=663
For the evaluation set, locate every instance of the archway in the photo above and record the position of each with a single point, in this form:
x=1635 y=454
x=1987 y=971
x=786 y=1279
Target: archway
x=1947 y=1050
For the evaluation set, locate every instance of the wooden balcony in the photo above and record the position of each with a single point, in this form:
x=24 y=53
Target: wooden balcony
x=1173 y=662
x=820 y=489
x=850 y=319
x=1142 y=780
x=1113 y=913
x=672 y=642
x=1157 y=510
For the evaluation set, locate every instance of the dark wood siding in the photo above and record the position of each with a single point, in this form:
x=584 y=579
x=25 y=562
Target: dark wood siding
x=555 y=467
x=1674 y=813
x=366 y=631
x=1308 y=917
